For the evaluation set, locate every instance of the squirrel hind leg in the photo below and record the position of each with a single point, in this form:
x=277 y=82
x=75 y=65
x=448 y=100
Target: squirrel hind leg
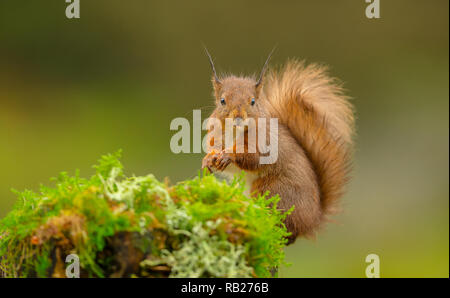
x=306 y=218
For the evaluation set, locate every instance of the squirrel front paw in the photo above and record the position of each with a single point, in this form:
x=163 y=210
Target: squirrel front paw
x=223 y=160
x=208 y=161
x=219 y=161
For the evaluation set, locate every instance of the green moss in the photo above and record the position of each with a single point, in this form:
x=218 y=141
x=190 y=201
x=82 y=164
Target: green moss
x=198 y=228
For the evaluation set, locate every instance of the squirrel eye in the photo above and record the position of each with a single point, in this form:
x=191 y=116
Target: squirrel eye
x=222 y=101
x=253 y=101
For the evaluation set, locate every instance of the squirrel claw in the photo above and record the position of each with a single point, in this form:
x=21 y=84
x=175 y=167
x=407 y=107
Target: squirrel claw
x=222 y=161
x=209 y=162
x=218 y=161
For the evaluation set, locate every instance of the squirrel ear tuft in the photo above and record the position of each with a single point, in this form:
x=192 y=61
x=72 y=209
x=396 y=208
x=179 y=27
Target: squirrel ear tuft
x=215 y=80
x=263 y=71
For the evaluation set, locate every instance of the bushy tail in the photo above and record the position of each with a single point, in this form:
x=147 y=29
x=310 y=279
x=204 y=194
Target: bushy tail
x=319 y=116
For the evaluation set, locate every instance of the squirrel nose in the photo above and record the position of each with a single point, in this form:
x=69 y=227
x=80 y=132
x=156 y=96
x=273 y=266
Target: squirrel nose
x=238 y=120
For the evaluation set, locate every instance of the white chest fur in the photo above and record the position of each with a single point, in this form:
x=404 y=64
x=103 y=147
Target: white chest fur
x=233 y=170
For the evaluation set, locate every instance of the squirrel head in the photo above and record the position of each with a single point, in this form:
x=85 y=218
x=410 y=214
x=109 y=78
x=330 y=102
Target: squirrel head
x=238 y=98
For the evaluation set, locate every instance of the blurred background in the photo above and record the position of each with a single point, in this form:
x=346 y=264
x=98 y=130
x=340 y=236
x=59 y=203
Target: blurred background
x=72 y=90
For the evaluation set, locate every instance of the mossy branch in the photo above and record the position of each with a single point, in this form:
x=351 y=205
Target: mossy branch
x=122 y=226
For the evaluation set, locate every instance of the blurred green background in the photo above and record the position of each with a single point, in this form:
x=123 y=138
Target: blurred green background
x=72 y=90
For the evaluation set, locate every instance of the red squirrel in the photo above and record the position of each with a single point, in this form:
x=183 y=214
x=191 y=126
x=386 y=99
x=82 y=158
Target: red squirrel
x=315 y=130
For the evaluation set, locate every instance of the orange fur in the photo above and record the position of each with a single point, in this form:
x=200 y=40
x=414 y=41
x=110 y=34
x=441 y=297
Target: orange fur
x=312 y=105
